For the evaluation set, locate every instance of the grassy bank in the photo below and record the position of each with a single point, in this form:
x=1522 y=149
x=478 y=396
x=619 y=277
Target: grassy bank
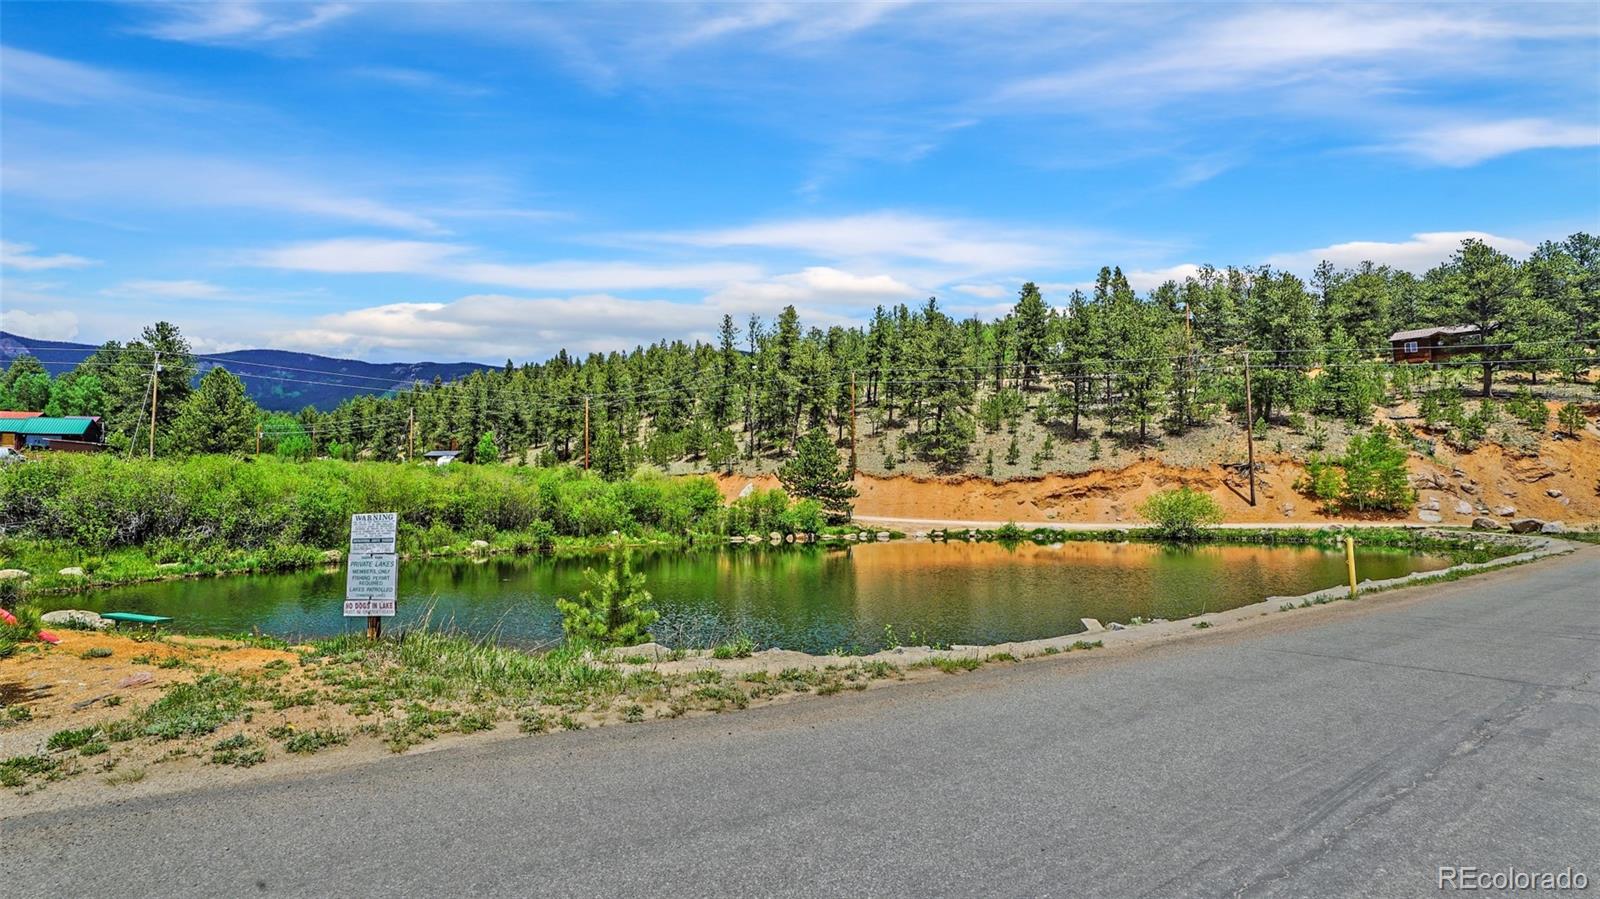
x=237 y=703
x=123 y=520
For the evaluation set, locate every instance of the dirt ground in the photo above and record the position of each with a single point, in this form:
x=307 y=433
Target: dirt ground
x=1464 y=485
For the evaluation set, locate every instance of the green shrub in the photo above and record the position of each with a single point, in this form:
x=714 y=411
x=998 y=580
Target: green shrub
x=1181 y=514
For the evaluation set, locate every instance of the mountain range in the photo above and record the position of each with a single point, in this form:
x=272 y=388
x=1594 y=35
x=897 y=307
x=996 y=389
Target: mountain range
x=278 y=380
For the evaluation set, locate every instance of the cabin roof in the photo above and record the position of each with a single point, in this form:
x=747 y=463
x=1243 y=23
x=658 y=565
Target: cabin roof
x=45 y=425
x=1437 y=331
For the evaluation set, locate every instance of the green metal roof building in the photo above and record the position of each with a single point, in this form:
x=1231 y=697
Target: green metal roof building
x=44 y=431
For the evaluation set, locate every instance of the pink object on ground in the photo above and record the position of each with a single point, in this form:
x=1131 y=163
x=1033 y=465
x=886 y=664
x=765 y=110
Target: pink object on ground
x=48 y=637
x=7 y=617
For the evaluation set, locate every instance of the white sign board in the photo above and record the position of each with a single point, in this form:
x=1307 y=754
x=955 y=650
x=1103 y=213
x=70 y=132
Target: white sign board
x=369 y=585
x=372 y=533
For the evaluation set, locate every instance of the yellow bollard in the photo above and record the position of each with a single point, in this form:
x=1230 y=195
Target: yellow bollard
x=1350 y=562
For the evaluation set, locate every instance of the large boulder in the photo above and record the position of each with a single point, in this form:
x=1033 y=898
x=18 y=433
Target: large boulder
x=13 y=574
x=748 y=489
x=1525 y=525
x=80 y=619
x=1431 y=505
x=71 y=571
x=331 y=556
x=1463 y=507
x=1505 y=511
x=1429 y=516
x=1553 y=527
x=1485 y=524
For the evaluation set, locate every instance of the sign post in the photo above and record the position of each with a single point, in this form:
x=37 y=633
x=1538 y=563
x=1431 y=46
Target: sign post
x=373 y=570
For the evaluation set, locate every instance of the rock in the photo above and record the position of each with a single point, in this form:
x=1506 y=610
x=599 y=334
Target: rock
x=1092 y=625
x=788 y=538
x=13 y=574
x=1506 y=511
x=82 y=619
x=332 y=556
x=1553 y=527
x=1463 y=507
x=1050 y=515
x=1469 y=487
x=169 y=566
x=1431 y=505
x=655 y=652
x=883 y=535
x=1116 y=626
x=1525 y=525
x=736 y=539
x=1553 y=493
x=851 y=537
x=484 y=544
x=752 y=538
x=71 y=571
x=1485 y=524
x=1288 y=510
x=774 y=536
x=138 y=679
x=1429 y=516
x=748 y=489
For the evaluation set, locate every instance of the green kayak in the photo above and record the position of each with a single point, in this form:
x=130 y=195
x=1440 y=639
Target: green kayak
x=134 y=617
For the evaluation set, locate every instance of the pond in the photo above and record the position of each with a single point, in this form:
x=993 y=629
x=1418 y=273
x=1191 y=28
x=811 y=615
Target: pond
x=814 y=598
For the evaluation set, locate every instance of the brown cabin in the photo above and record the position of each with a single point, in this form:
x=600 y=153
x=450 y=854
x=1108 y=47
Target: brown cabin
x=1433 y=344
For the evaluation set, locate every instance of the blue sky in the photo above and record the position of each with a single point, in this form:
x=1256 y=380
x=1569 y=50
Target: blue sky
x=478 y=181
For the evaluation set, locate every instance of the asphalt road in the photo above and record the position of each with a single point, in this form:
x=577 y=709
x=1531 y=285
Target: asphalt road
x=1348 y=757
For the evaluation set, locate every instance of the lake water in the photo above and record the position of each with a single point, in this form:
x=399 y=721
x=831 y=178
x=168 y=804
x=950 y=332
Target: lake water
x=808 y=598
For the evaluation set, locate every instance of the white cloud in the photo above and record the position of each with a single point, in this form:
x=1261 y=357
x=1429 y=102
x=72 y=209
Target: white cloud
x=1273 y=47
x=815 y=286
x=57 y=324
x=21 y=256
x=355 y=255
x=490 y=326
x=1420 y=253
x=199 y=182
x=878 y=236
x=984 y=291
x=174 y=290
x=449 y=262
x=35 y=76
x=230 y=21
x=1470 y=143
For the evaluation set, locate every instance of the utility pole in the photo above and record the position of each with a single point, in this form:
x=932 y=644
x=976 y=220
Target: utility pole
x=411 y=434
x=852 y=423
x=155 y=396
x=258 y=438
x=586 y=432
x=1250 y=426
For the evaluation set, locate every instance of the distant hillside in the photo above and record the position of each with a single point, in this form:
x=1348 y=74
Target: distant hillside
x=277 y=379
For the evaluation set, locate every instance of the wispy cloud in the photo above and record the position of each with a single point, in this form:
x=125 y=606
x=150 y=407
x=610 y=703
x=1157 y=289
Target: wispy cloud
x=21 y=256
x=199 y=182
x=456 y=262
x=1469 y=143
x=1418 y=254
x=420 y=79
x=234 y=21
x=969 y=246
x=27 y=75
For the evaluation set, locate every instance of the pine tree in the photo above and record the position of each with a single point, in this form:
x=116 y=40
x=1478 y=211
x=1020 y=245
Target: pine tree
x=815 y=472
x=1031 y=332
x=614 y=611
x=217 y=418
